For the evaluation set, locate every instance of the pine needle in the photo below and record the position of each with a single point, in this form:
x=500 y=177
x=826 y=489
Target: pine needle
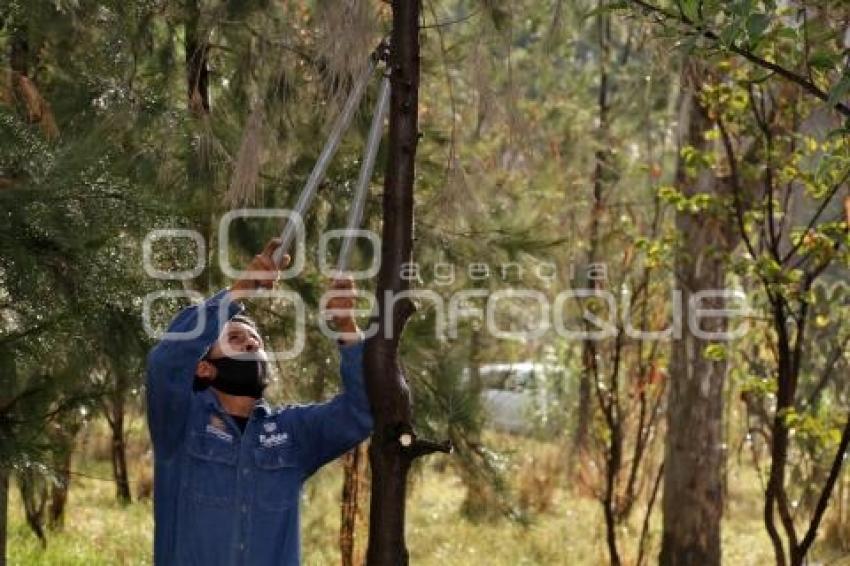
x=349 y=33
x=246 y=170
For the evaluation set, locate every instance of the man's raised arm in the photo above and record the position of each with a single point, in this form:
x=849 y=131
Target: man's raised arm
x=327 y=430
x=172 y=362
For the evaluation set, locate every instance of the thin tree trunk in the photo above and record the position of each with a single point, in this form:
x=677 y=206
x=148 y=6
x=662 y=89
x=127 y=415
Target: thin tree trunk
x=692 y=499
x=64 y=439
x=34 y=498
x=644 y=530
x=59 y=490
x=197 y=55
x=394 y=445
x=119 y=457
x=19 y=52
x=4 y=513
x=8 y=380
x=601 y=181
x=115 y=417
x=198 y=167
x=352 y=478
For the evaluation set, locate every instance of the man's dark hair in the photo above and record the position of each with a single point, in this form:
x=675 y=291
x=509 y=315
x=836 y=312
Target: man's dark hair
x=245 y=319
x=201 y=384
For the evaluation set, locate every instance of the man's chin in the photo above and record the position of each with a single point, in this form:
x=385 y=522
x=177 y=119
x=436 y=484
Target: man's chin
x=233 y=396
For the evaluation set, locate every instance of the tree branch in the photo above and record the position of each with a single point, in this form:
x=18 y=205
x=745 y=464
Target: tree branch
x=787 y=74
x=825 y=495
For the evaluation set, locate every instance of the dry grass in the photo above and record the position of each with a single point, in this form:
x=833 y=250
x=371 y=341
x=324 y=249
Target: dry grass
x=564 y=528
x=540 y=475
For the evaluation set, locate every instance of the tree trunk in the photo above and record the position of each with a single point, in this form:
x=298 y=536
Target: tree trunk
x=394 y=445
x=119 y=456
x=197 y=55
x=353 y=471
x=58 y=499
x=59 y=488
x=602 y=179
x=693 y=472
x=34 y=498
x=19 y=53
x=4 y=513
x=199 y=177
x=8 y=449
x=115 y=412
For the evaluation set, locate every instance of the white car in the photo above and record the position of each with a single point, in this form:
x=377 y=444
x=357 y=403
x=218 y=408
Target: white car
x=517 y=396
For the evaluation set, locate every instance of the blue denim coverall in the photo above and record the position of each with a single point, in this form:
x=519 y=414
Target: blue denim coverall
x=225 y=497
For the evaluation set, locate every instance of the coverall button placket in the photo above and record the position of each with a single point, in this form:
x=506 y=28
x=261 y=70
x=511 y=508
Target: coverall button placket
x=243 y=491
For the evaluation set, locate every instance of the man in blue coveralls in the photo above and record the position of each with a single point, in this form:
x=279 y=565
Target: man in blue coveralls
x=228 y=468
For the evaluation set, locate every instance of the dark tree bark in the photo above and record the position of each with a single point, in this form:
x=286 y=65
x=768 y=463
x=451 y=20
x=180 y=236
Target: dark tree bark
x=197 y=61
x=8 y=379
x=388 y=390
x=115 y=412
x=394 y=445
x=353 y=468
x=64 y=439
x=34 y=498
x=119 y=459
x=59 y=494
x=4 y=513
x=692 y=500
x=199 y=177
x=19 y=53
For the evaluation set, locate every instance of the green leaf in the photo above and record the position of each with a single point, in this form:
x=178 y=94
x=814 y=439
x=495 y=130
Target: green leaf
x=730 y=34
x=690 y=10
x=714 y=352
x=823 y=60
x=839 y=90
x=786 y=32
x=756 y=25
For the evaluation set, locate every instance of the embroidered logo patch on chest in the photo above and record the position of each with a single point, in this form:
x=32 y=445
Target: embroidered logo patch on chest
x=274 y=439
x=218 y=428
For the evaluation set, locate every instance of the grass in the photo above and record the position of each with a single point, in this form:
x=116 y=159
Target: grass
x=99 y=531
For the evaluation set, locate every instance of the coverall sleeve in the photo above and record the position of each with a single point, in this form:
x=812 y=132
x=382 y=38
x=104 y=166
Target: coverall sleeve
x=328 y=430
x=171 y=367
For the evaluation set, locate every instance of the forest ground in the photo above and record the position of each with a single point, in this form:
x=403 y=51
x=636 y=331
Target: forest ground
x=565 y=528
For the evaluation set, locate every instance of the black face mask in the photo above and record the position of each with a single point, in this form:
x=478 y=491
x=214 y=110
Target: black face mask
x=243 y=376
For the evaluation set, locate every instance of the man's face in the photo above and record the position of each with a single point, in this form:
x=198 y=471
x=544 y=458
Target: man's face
x=235 y=338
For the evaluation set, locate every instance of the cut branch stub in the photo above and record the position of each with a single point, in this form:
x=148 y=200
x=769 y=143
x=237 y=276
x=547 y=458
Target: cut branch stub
x=413 y=447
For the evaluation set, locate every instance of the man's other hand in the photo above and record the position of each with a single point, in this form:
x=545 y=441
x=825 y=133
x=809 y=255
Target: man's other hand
x=342 y=305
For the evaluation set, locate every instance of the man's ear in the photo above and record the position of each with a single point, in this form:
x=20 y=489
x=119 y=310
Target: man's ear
x=205 y=371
